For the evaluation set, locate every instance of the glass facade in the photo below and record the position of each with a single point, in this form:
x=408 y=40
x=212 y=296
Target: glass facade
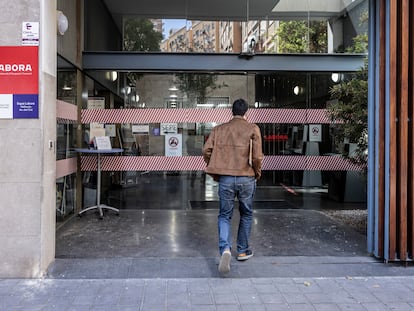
x=289 y=107
x=302 y=145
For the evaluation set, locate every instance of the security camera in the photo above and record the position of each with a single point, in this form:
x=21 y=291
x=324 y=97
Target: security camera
x=251 y=42
x=249 y=47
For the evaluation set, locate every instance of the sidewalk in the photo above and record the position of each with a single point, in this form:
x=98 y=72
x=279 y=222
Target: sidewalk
x=179 y=284
x=227 y=294
x=167 y=260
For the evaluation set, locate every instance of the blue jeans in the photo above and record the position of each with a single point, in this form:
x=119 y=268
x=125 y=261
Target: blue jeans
x=242 y=188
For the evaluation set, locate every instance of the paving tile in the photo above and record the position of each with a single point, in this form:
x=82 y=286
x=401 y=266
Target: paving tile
x=301 y=307
x=201 y=299
x=351 y=307
x=326 y=307
x=227 y=307
x=295 y=298
x=248 y=298
x=276 y=307
x=225 y=298
x=271 y=298
x=266 y=288
x=253 y=307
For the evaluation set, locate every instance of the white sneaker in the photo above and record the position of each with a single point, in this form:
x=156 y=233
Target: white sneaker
x=224 y=265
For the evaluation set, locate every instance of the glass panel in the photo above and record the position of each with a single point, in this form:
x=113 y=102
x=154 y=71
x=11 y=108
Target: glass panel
x=266 y=26
x=314 y=26
x=189 y=90
x=299 y=136
x=65 y=140
x=66 y=92
x=65 y=196
x=303 y=149
x=66 y=81
x=66 y=126
x=67 y=86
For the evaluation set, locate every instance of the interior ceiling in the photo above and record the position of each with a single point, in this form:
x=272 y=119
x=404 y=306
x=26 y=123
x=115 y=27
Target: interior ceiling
x=231 y=10
x=191 y=9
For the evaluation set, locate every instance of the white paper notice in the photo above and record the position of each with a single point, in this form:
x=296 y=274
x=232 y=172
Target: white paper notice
x=102 y=143
x=30 y=33
x=6 y=106
x=315 y=132
x=173 y=145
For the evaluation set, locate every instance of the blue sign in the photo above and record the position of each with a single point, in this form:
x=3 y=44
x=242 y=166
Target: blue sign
x=25 y=106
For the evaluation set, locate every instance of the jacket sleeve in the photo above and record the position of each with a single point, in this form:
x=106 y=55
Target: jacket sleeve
x=208 y=147
x=257 y=156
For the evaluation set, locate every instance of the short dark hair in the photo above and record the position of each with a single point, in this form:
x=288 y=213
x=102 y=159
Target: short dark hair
x=240 y=107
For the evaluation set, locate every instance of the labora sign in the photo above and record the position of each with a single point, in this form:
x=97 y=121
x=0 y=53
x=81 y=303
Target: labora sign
x=19 y=82
x=17 y=68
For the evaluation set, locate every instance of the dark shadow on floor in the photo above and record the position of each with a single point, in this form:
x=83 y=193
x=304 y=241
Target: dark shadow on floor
x=193 y=233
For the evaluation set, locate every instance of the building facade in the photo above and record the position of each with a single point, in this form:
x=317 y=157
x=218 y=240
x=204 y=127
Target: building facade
x=75 y=49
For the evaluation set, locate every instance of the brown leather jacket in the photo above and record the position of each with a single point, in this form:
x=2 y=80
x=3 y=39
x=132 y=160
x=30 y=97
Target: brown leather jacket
x=226 y=150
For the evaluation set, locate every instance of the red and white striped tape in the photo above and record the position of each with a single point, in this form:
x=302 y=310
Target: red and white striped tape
x=220 y=115
x=295 y=116
x=196 y=163
x=65 y=121
x=308 y=163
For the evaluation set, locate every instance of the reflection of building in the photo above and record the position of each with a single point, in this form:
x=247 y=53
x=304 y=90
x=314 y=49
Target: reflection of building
x=236 y=36
x=223 y=36
x=230 y=37
x=203 y=37
x=200 y=37
x=157 y=24
x=176 y=42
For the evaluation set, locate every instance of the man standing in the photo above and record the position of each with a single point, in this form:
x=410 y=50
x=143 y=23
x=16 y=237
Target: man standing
x=233 y=153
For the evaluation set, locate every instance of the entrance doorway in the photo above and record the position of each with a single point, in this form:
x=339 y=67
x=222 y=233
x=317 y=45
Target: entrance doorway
x=300 y=141
x=168 y=206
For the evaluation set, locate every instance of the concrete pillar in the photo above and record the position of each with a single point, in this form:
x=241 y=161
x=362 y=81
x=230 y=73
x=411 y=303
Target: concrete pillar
x=27 y=154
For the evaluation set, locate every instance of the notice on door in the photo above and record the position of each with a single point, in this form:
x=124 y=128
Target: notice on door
x=315 y=132
x=173 y=145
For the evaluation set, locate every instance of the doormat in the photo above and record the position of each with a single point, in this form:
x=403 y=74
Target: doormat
x=274 y=204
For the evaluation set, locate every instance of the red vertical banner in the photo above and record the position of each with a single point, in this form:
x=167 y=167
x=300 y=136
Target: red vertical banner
x=19 y=82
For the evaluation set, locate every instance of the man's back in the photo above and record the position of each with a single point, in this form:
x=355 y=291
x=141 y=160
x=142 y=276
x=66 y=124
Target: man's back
x=227 y=149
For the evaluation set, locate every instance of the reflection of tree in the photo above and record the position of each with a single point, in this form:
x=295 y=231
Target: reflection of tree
x=360 y=41
x=196 y=86
x=351 y=110
x=140 y=35
x=351 y=107
x=302 y=37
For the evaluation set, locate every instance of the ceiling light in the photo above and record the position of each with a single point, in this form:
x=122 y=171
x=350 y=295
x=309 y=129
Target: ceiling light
x=66 y=87
x=336 y=77
x=112 y=76
x=296 y=90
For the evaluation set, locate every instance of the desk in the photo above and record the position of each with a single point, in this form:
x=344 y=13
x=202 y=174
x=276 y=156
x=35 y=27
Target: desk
x=98 y=205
